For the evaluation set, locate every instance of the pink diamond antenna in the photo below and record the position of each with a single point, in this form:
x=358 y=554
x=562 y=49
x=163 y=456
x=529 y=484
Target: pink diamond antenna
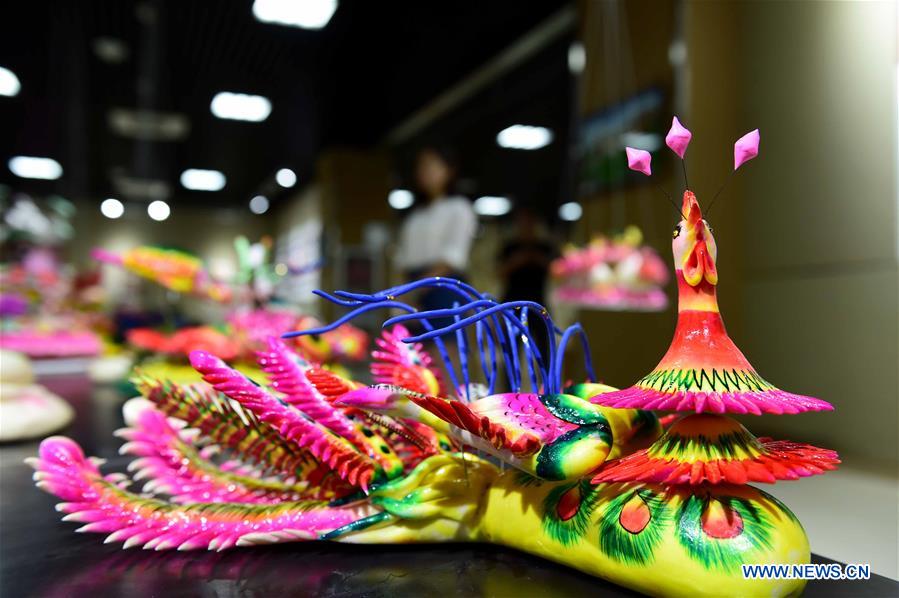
x=639 y=160
x=678 y=138
x=746 y=148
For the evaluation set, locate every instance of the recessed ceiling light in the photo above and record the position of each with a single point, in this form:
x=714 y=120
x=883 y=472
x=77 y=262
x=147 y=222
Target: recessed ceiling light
x=645 y=141
x=259 y=204
x=491 y=205
x=197 y=179
x=112 y=208
x=308 y=14
x=286 y=177
x=9 y=83
x=240 y=106
x=524 y=137
x=150 y=125
x=571 y=211
x=400 y=199
x=29 y=167
x=158 y=210
x=110 y=49
x=577 y=58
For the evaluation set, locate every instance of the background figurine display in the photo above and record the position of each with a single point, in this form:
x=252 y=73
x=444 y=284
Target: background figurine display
x=582 y=474
x=247 y=325
x=48 y=338
x=256 y=274
x=252 y=328
x=27 y=410
x=617 y=273
x=39 y=316
x=179 y=344
x=173 y=269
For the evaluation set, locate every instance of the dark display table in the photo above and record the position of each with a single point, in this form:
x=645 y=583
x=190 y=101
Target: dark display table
x=41 y=556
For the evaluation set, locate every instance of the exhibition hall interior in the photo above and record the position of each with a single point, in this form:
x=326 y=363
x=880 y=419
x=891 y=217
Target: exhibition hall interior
x=348 y=298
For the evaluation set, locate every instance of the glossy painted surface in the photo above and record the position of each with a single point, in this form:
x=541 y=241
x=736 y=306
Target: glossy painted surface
x=79 y=564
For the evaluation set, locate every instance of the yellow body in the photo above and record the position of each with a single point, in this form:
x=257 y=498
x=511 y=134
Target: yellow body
x=446 y=500
x=514 y=517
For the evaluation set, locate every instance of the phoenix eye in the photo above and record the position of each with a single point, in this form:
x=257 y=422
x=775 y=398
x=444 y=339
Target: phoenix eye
x=676 y=232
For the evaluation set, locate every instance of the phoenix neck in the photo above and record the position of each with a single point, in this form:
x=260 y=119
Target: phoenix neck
x=702 y=297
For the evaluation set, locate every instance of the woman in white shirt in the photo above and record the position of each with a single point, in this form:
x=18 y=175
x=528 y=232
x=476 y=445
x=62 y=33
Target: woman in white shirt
x=436 y=238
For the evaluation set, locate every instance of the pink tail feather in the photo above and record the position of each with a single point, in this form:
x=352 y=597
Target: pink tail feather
x=174 y=466
x=289 y=378
x=104 y=507
x=291 y=423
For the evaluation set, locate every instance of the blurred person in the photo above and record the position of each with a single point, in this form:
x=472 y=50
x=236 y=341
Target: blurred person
x=523 y=266
x=523 y=262
x=436 y=238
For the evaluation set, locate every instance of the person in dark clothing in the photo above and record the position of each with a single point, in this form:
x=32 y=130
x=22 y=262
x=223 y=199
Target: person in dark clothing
x=524 y=267
x=524 y=261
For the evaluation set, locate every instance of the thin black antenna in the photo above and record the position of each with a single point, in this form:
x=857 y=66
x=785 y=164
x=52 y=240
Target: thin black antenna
x=712 y=203
x=683 y=164
x=671 y=201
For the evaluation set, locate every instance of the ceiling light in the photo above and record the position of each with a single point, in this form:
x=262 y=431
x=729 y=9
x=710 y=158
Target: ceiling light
x=524 y=137
x=9 y=83
x=240 y=106
x=259 y=204
x=110 y=50
x=112 y=208
x=148 y=125
x=139 y=188
x=158 y=210
x=308 y=14
x=286 y=177
x=202 y=180
x=29 y=167
x=571 y=211
x=577 y=58
x=645 y=141
x=400 y=199
x=490 y=205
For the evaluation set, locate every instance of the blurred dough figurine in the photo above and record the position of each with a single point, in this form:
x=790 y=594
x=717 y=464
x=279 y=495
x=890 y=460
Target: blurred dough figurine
x=27 y=410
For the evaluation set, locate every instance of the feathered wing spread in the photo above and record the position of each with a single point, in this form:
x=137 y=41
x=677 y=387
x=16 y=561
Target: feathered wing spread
x=292 y=424
x=278 y=462
x=287 y=373
x=174 y=465
x=503 y=432
x=554 y=436
x=225 y=423
x=406 y=365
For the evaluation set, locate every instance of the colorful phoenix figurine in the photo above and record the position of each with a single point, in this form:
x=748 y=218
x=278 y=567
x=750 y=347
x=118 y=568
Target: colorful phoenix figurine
x=175 y=270
x=253 y=327
x=183 y=341
x=583 y=475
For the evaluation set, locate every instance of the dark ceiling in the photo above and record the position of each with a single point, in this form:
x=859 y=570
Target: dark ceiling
x=348 y=84
x=540 y=92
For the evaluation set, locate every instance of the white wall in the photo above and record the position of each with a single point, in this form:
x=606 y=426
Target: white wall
x=820 y=306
